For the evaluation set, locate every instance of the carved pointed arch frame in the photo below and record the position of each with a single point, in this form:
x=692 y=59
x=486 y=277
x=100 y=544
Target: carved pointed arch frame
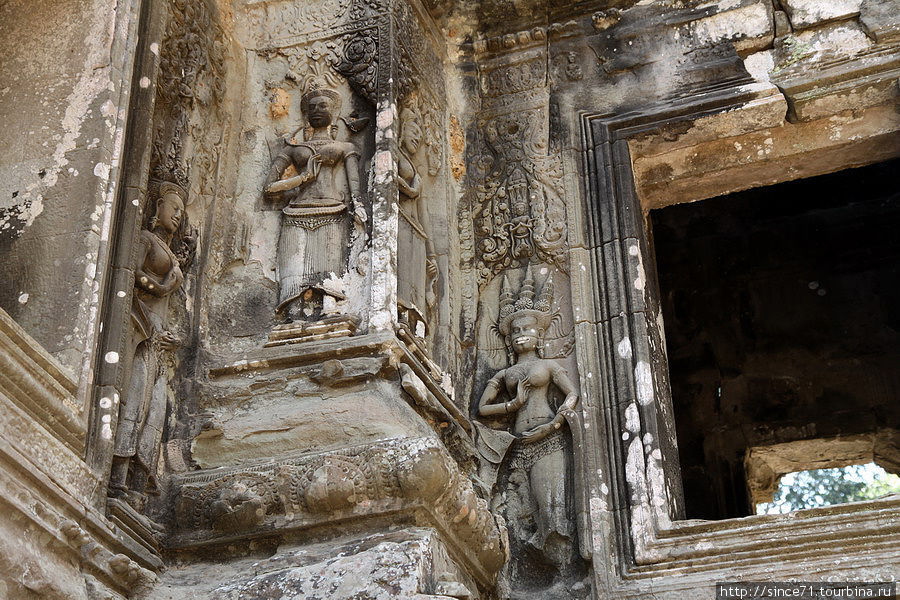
x=636 y=515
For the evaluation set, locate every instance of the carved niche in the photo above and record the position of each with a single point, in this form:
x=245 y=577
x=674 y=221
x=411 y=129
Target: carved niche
x=528 y=421
x=315 y=180
x=165 y=249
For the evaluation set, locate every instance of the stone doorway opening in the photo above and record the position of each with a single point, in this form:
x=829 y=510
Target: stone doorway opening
x=782 y=321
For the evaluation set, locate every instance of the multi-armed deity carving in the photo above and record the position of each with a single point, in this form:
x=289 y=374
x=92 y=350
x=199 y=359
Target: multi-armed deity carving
x=159 y=272
x=321 y=200
x=416 y=266
x=534 y=459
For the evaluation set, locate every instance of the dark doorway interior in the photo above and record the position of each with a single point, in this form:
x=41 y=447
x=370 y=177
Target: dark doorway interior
x=782 y=318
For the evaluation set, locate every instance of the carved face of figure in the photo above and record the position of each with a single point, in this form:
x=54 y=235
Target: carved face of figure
x=320 y=111
x=412 y=136
x=169 y=211
x=524 y=334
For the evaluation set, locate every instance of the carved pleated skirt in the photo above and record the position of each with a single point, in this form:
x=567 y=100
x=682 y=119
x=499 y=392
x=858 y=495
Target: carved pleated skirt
x=312 y=249
x=411 y=274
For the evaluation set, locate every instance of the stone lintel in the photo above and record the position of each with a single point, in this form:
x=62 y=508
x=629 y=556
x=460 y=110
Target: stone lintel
x=784 y=153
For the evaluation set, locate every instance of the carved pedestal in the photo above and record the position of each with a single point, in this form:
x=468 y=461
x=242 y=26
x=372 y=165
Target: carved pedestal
x=348 y=440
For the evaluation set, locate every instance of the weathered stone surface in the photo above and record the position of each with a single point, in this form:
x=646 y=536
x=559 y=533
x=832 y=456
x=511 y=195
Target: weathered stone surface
x=806 y=13
x=405 y=476
x=424 y=153
x=881 y=20
x=54 y=537
x=765 y=465
x=62 y=143
x=410 y=564
x=792 y=151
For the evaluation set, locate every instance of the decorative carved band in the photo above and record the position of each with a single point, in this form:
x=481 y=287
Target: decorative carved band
x=414 y=475
x=35 y=383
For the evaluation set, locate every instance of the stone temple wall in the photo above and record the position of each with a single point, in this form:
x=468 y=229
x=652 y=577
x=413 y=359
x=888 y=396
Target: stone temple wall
x=346 y=299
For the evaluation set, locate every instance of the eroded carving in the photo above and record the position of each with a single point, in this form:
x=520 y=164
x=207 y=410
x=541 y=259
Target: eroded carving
x=191 y=74
x=164 y=252
x=520 y=212
x=416 y=265
x=535 y=454
x=315 y=489
x=321 y=198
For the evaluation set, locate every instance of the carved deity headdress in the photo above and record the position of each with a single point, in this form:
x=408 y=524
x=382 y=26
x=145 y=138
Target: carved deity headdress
x=314 y=88
x=167 y=187
x=525 y=305
x=314 y=91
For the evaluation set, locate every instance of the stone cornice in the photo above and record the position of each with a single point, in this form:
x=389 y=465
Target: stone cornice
x=294 y=355
x=32 y=380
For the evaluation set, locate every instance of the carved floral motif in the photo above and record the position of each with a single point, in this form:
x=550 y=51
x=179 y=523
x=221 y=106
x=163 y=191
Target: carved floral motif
x=360 y=62
x=191 y=73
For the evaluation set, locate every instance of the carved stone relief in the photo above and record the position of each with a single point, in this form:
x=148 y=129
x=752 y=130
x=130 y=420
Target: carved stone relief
x=529 y=466
x=317 y=181
x=417 y=268
x=191 y=77
x=520 y=211
x=525 y=399
x=165 y=250
x=315 y=224
x=284 y=23
x=518 y=207
x=319 y=489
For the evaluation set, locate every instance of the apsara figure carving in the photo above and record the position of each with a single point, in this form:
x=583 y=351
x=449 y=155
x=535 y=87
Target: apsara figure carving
x=315 y=224
x=536 y=452
x=159 y=273
x=416 y=266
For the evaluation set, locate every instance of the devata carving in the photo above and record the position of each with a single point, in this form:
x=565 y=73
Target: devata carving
x=159 y=273
x=520 y=212
x=315 y=232
x=416 y=266
x=535 y=455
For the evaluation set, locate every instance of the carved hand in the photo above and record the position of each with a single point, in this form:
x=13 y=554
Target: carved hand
x=431 y=268
x=410 y=191
x=538 y=433
x=167 y=340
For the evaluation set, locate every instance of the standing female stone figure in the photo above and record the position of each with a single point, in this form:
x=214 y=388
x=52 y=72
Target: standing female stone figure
x=536 y=456
x=158 y=274
x=312 y=246
x=416 y=267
